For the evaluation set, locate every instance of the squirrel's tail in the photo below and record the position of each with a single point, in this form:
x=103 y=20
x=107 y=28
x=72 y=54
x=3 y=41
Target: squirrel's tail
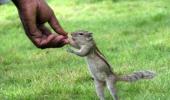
x=137 y=76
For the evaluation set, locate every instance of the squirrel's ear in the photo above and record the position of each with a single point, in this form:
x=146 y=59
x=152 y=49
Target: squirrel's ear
x=89 y=38
x=90 y=33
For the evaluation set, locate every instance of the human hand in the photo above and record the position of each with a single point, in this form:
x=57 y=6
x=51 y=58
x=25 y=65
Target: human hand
x=62 y=39
x=34 y=14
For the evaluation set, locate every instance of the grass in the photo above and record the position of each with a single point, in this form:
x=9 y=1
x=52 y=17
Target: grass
x=133 y=34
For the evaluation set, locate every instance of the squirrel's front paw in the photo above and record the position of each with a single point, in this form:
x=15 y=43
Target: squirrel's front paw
x=69 y=50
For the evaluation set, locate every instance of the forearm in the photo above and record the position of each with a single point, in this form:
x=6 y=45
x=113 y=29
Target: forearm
x=81 y=52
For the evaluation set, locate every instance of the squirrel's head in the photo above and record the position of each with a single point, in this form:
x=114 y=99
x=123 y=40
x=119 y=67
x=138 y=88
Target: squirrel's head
x=82 y=37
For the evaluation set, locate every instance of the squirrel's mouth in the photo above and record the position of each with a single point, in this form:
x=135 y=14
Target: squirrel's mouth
x=73 y=39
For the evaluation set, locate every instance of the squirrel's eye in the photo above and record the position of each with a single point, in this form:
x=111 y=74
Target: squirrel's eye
x=80 y=33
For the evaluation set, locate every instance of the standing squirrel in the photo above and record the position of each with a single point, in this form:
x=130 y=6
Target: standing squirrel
x=100 y=69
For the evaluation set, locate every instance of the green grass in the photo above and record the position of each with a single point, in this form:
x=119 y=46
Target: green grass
x=133 y=34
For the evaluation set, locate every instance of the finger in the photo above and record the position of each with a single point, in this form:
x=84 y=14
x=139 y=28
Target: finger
x=56 y=25
x=66 y=41
x=44 y=30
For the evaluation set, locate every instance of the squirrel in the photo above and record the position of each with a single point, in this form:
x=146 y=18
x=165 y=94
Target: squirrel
x=100 y=69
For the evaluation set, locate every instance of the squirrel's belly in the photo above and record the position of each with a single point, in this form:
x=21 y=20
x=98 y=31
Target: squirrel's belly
x=98 y=75
x=99 y=72
x=98 y=67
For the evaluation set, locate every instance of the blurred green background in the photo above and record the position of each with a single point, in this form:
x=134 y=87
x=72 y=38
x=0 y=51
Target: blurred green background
x=133 y=34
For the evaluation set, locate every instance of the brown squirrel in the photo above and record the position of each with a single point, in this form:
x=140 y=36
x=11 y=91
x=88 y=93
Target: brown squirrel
x=100 y=69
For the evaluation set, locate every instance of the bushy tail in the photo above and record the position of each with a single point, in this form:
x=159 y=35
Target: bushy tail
x=137 y=76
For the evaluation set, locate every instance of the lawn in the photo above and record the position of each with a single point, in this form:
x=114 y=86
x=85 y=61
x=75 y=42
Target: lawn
x=133 y=34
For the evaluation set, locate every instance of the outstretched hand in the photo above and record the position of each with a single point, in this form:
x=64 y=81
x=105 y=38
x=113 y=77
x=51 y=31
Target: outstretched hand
x=34 y=14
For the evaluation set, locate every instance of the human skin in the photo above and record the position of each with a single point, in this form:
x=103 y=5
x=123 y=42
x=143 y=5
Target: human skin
x=34 y=14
